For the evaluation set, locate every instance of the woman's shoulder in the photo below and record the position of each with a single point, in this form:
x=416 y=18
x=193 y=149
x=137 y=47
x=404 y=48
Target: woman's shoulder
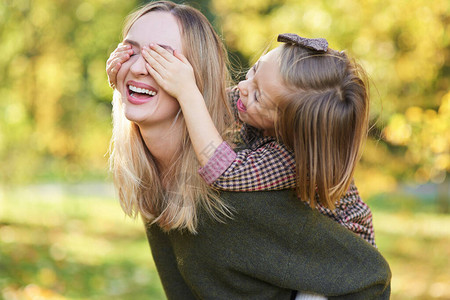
x=278 y=212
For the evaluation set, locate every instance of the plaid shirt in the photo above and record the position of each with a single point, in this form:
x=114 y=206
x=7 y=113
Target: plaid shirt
x=266 y=164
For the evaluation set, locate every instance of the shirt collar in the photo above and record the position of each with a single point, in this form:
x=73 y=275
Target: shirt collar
x=253 y=137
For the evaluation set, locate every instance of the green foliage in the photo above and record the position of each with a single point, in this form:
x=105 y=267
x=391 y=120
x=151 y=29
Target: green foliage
x=55 y=100
x=55 y=111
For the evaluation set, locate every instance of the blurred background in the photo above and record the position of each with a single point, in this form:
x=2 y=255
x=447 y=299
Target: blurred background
x=62 y=232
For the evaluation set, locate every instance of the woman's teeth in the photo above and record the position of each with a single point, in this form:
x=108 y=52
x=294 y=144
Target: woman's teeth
x=141 y=91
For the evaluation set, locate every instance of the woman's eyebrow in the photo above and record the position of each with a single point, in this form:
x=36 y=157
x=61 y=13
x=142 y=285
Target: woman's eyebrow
x=167 y=47
x=134 y=43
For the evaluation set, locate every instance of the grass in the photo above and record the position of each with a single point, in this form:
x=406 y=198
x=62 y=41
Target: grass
x=73 y=247
x=415 y=240
x=59 y=246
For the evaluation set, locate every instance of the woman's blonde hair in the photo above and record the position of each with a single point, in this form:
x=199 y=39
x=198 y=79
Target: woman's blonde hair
x=136 y=177
x=323 y=118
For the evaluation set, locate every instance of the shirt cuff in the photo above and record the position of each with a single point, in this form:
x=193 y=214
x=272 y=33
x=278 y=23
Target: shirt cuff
x=222 y=158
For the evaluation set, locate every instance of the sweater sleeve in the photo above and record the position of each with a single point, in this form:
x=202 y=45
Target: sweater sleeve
x=219 y=162
x=269 y=167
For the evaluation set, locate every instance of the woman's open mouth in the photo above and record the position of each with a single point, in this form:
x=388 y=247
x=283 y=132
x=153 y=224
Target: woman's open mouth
x=139 y=93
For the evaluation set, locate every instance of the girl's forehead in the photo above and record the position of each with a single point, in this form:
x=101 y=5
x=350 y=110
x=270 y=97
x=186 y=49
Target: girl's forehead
x=268 y=60
x=270 y=56
x=268 y=75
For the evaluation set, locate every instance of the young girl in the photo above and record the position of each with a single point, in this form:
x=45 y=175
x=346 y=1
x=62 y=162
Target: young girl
x=311 y=98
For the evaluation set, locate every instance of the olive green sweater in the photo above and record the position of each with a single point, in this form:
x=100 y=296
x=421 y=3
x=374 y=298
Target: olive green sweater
x=273 y=245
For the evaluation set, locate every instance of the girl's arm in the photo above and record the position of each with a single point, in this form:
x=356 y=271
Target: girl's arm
x=270 y=166
x=175 y=75
x=250 y=170
x=265 y=168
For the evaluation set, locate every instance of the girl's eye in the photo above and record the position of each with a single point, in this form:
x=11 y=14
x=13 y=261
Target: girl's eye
x=134 y=53
x=256 y=97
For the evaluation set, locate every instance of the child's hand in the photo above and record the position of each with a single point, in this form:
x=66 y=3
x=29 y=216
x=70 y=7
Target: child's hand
x=172 y=72
x=120 y=55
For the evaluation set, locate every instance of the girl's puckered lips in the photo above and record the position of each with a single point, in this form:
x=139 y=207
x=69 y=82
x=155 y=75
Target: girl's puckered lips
x=241 y=106
x=140 y=93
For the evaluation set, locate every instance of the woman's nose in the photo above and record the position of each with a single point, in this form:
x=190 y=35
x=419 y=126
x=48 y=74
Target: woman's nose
x=138 y=66
x=242 y=86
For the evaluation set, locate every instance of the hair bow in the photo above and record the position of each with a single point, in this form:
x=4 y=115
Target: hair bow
x=320 y=44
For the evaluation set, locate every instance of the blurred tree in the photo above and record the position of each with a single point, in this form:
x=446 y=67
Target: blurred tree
x=55 y=111
x=55 y=101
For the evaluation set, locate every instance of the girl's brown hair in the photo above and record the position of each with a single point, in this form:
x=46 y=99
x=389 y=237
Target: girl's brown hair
x=136 y=177
x=323 y=118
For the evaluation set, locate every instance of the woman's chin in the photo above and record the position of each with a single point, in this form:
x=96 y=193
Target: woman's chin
x=135 y=116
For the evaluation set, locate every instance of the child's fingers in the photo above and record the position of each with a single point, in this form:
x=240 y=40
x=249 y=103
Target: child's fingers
x=121 y=54
x=112 y=74
x=123 y=57
x=120 y=48
x=153 y=57
x=154 y=64
x=164 y=51
x=154 y=74
x=114 y=66
x=118 y=57
x=180 y=56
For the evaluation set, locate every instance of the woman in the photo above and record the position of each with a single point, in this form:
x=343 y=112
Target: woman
x=260 y=245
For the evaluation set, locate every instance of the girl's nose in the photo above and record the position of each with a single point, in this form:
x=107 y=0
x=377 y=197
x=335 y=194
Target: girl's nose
x=242 y=86
x=138 y=67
